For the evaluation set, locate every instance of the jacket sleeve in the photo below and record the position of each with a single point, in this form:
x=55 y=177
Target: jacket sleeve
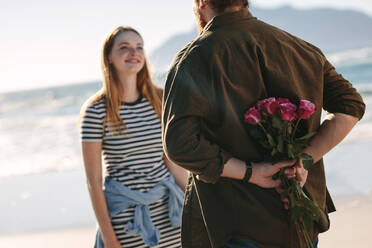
x=339 y=95
x=186 y=110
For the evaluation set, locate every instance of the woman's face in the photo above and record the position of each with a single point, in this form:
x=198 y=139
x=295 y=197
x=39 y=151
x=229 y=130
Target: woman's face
x=127 y=54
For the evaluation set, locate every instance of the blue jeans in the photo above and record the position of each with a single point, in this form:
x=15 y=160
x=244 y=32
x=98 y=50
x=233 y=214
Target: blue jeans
x=242 y=243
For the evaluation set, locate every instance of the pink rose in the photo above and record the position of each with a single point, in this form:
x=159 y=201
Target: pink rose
x=267 y=105
x=260 y=104
x=306 y=109
x=252 y=116
x=287 y=111
x=282 y=100
x=272 y=104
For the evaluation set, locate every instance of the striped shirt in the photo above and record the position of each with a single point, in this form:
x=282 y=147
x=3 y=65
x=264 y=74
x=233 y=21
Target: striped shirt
x=134 y=158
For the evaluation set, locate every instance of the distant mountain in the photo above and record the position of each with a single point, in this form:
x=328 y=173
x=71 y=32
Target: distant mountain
x=330 y=29
x=163 y=56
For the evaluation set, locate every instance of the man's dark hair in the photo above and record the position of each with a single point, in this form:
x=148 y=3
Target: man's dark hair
x=221 y=5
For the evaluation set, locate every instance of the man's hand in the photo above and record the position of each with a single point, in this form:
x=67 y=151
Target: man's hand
x=299 y=173
x=262 y=173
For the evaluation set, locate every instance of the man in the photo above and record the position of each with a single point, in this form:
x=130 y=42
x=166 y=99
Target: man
x=234 y=62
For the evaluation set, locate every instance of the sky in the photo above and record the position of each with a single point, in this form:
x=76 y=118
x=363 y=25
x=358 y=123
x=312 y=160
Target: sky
x=47 y=42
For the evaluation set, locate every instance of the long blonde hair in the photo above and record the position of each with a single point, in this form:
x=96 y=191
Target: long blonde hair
x=112 y=90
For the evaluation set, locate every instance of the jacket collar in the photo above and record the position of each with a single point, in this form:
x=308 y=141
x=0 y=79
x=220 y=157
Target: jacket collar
x=228 y=18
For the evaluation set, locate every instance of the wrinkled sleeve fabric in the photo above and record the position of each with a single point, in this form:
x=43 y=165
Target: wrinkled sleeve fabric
x=187 y=108
x=339 y=94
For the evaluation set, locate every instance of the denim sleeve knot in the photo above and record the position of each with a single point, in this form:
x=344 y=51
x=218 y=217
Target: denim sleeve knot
x=119 y=198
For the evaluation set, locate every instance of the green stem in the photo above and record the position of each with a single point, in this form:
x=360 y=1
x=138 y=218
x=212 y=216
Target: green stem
x=309 y=242
x=295 y=129
x=286 y=129
x=259 y=123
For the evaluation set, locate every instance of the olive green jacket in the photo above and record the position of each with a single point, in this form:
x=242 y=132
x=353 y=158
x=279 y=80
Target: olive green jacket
x=236 y=61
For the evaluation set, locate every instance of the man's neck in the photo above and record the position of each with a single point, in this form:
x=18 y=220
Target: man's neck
x=232 y=9
x=210 y=15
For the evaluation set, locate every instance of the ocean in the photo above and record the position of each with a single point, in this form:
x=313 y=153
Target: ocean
x=40 y=149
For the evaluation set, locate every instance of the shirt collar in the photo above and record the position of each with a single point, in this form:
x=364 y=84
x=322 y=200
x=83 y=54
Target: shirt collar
x=228 y=18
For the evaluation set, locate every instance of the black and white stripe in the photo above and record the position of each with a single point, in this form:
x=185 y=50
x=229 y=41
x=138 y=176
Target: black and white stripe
x=134 y=158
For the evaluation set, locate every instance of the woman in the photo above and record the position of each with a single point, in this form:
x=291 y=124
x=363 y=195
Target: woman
x=141 y=203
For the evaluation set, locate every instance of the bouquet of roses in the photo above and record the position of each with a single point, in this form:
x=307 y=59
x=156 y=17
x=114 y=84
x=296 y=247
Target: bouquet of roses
x=274 y=123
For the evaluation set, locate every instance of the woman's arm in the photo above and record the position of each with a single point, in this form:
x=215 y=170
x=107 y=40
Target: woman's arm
x=179 y=173
x=93 y=169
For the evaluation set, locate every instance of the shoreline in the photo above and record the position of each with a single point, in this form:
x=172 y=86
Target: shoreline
x=48 y=201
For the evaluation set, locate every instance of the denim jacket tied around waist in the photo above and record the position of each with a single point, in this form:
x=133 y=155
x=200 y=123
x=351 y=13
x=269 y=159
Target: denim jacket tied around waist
x=119 y=198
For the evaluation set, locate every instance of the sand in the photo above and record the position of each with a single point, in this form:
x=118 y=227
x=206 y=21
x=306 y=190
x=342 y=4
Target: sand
x=351 y=224
x=64 y=238
x=351 y=227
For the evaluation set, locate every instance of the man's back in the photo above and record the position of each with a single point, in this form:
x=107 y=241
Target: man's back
x=235 y=62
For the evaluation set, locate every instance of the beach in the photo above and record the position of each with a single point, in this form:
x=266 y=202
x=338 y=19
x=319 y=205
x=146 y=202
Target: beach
x=351 y=226
x=44 y=197
x=51 y=207
x=62 y=238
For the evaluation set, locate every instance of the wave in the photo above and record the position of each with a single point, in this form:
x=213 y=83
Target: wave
x=46 y=101
x=364 y=89
x=355 y=65
x=351 y=57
